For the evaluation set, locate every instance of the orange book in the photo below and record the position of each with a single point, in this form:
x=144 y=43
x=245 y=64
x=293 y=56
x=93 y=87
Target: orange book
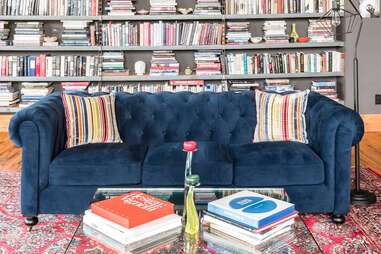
x=132 y=209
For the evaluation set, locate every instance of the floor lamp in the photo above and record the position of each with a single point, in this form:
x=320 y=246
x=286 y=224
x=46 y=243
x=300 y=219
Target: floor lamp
x=358 y=195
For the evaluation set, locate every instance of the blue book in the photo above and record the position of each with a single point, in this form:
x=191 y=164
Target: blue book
x=32 y=66
x=251 y=209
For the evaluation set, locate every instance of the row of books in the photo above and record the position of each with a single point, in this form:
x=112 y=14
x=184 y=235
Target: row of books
x=49 y=7
x=84 y=33
x=50 y=66
x=266 y=63
x=278 y=6
x=171 y=86
x=132 y=222
x=161 y=33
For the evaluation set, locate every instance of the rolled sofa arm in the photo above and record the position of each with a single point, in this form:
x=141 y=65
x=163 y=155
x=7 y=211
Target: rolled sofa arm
x=333 y=130
x=40 y=130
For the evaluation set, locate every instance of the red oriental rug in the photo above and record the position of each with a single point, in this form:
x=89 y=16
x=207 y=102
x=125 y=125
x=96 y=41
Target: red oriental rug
x=54 y=234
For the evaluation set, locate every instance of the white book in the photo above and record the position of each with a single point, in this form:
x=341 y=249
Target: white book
x=126 y=236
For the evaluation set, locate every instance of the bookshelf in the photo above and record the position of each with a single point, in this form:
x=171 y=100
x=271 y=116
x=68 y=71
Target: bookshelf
x=184 y=53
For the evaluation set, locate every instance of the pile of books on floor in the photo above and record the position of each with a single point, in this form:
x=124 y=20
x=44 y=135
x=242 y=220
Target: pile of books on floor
x=281 y=86
x=246 y=220
x=118 y=7
x=321 y=30
x=208 y=62
x=132 y=223
x=28 y=34
x=9 y=94
x=113 y=64
x=243 y=85
x=326 y=88
x=164 y=63
x=34 y=91
x=238 y=33
x=4 y=33
x=207 y=7
x=275 y=31
x=162 y=7
x=75 y=86
x=75 y=33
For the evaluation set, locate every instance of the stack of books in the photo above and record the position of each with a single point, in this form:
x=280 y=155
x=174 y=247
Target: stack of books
x=238 y=33
x=75 y=33
x=326 y=88
x=113 y=64
x=119 y=7
x=321 y=30
x=34 y=91
x=275 y=31
x=207 y=7
x=132 y=223
x=4 y=33
x=243 y=85
x=208 y=62
x=9 y=94
x=246 y=220
x=28 y=34
x=162 y=7
x=75 y=86
x=164 y=63
x=281 y=86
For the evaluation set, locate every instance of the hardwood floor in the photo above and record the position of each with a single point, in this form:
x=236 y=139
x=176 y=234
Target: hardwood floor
x=10 y=155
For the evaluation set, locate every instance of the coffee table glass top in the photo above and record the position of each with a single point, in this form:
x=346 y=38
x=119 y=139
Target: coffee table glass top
x=298 y=240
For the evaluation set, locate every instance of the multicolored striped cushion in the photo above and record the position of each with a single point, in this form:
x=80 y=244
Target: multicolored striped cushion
x=281 y=117
x=90 y=120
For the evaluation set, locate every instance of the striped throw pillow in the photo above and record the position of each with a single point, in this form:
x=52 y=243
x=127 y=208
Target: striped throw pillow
x=281 y=117
x=90 y=119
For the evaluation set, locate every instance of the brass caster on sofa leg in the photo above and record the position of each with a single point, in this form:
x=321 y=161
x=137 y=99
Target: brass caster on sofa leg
x=338 y=218
x=30 y=222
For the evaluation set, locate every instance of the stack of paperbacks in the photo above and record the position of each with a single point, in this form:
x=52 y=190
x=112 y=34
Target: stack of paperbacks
x=247 y=220
x=133 y=222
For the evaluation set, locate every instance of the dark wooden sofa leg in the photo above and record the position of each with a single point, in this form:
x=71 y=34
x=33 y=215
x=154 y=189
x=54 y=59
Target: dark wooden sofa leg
x=338 y=218
x=30 y=222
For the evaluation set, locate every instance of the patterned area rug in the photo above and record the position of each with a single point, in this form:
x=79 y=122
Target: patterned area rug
x=54 y=234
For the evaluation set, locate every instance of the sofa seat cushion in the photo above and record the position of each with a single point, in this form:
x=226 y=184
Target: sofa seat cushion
x=98 y=164
x=164 y=165
x=276 y=164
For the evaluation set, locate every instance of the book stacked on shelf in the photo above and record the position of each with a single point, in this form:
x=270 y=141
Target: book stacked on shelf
x=75 y=86
x=34 y=91
x=207 y=7
x=132 y=222
x=28 y=34
x=238 y=33
x=246 y=220
x=4 y=33
x=119 y=7
x=208 y=62
x=164 y=63
x=321 y=30
x=162 y=7
x=49 y=66
x=275 y=31
x=278 y=6
x=243 y=85
x=293 y=62
x=113 y=64
x=75 y=33
x=281 y=86
x=9 y=94
x=326 y=88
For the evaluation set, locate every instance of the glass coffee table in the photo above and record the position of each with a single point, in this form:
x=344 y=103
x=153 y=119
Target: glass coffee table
x=298 y=240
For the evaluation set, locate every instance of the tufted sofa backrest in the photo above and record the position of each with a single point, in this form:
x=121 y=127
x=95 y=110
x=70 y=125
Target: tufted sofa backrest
x=225 y=118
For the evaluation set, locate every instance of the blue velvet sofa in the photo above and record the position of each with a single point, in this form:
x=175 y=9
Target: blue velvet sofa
x=153 y=127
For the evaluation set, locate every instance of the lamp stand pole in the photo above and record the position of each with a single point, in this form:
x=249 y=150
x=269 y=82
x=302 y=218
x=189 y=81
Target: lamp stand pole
x=358 y=196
